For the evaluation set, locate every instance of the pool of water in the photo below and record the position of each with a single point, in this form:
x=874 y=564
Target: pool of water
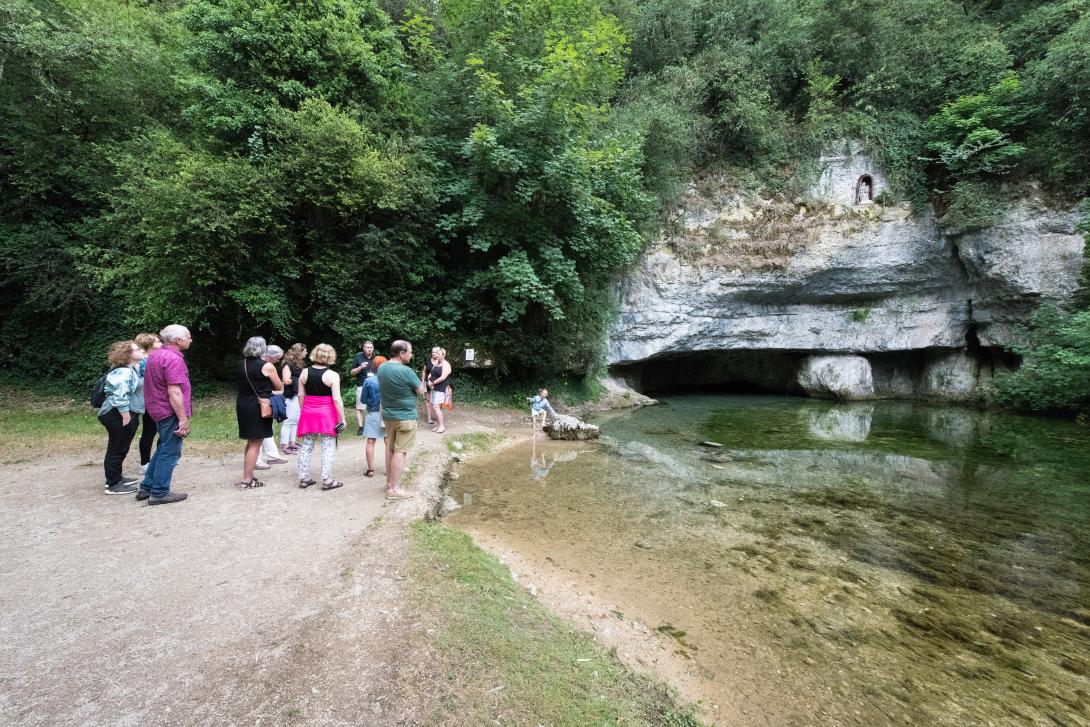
x=881 y=563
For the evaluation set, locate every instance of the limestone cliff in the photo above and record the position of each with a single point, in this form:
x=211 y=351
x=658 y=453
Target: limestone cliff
x=749 y=289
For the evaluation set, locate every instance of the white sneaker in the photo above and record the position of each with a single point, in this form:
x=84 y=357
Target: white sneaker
x=143 y=469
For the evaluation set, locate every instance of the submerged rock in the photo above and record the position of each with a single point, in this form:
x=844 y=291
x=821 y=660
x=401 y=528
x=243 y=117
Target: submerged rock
x=568 y=427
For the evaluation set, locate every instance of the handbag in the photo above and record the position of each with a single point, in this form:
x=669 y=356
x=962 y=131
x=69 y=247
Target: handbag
x=264 y=404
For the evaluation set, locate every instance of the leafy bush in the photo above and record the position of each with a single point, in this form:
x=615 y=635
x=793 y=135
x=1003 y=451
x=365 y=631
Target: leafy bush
x=972 y=205
x=972 y=135
x=1055 y=373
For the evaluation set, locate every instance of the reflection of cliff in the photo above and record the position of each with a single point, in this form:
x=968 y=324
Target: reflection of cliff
x=771 y=282
x=817 y=468
x=840 y=424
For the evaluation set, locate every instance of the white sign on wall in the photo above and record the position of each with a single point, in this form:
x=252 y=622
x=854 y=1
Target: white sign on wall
x=470 y=354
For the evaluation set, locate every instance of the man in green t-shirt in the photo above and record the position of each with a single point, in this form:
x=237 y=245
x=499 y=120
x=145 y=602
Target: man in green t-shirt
x=398 y=387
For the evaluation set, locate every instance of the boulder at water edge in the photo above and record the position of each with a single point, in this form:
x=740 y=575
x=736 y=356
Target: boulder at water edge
x=568 y=427
x=837 y=377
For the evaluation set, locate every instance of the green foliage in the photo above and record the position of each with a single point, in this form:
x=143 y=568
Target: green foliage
x=328 y=171
x=541 y=200
x=492 y=391
x=972 y=205
x=250 y=57
x=972 y=134
x=1055 y=371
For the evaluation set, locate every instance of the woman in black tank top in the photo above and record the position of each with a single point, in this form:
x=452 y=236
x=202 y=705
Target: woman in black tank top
x=438 y=382
x=321 y=416
x=314 y=385
x=425 y=374
x=257 y=379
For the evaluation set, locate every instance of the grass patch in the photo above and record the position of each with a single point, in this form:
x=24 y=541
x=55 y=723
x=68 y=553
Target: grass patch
x=510 y=659
x=488 y=390
x=475 y=442
x=33 y=424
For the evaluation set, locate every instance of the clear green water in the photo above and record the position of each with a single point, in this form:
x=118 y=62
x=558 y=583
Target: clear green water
x=869 y=564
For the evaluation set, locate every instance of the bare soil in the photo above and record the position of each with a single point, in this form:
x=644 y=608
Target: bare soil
x=274 y=606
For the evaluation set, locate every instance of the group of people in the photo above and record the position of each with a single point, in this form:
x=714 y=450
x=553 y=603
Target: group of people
x=148 y=381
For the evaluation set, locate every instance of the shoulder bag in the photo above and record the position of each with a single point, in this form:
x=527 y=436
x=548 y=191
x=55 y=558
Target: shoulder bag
x=265 y=404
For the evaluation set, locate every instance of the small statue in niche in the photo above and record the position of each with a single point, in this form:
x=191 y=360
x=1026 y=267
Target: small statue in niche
x=864 y=190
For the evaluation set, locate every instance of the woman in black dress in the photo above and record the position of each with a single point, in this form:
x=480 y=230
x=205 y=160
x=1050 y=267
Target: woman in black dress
x=257 y=379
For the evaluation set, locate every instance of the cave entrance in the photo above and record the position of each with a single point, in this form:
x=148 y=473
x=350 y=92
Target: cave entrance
x=738 y=372
x=864 y=189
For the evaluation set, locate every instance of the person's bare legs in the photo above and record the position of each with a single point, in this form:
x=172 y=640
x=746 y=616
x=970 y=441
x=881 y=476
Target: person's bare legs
x=249 y=458
x=389 y=458
x=438 y=416
x=395 y=468
x=359 y=417
x=370 y=450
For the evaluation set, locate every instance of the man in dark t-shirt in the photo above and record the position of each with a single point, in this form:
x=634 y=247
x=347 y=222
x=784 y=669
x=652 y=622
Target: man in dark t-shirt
x=361 y=369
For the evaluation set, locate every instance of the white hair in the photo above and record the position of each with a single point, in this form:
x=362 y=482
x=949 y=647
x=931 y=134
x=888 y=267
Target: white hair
x=173 y=332
x=254 y=347
x=273 y=352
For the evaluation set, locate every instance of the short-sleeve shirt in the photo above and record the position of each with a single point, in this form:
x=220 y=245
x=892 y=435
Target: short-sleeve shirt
x=166 y=366
x=366 y=370
x=397 y=385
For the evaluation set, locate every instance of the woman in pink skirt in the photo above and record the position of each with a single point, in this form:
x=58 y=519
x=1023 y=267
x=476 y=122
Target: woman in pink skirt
x=321 y=415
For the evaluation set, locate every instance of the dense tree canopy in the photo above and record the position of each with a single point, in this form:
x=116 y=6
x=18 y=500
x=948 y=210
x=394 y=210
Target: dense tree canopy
x=468 y=171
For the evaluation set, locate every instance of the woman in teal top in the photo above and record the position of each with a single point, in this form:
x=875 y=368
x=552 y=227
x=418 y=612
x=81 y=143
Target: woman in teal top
x=121 y=411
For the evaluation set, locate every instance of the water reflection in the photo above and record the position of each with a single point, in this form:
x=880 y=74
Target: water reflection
x=544 y=457
x=875 y=564
x=846 y=423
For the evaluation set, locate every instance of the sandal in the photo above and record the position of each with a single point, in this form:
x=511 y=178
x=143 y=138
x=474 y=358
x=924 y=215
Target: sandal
x=332 y=485
x=252 y=484
x=369 y=473
x=399 y=495
x=304 y=484
x=441 y=430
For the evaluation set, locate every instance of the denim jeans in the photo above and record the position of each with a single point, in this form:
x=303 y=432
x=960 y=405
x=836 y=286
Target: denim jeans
x=167 y=454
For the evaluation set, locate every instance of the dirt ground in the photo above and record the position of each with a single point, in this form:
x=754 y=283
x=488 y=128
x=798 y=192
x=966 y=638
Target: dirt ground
x=263 y=607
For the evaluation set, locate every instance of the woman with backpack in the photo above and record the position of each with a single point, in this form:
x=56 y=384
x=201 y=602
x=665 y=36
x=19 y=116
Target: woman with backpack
x=120 y=411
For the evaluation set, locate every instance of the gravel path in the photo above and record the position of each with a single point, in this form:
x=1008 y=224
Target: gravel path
x=270 y=606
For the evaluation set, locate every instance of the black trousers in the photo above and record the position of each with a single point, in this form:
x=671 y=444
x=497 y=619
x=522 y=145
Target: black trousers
x=117 y=446
x=147 y=437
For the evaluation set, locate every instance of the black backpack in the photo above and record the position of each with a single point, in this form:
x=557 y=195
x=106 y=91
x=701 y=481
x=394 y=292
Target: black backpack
x=98 y=392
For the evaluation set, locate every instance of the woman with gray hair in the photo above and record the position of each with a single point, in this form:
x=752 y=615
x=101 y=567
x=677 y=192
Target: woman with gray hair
x=270 y=455
x=257 y=379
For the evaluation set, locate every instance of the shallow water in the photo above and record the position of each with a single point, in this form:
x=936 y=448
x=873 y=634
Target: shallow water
x=879 y=563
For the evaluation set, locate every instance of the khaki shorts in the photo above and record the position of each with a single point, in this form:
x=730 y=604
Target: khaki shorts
x=360 y=406
x=400 y=435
